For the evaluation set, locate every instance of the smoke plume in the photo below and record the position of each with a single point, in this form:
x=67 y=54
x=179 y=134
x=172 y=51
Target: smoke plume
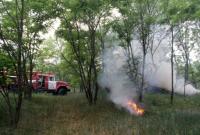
x=157 y=72
x=115 y=78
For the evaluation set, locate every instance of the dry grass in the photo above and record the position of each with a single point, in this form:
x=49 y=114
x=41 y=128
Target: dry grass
x=71 y=115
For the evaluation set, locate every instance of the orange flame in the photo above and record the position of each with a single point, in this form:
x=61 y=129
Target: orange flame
x=135 y=108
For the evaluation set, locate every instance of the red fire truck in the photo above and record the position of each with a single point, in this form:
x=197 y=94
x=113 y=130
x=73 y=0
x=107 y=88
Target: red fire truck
x=47 y=82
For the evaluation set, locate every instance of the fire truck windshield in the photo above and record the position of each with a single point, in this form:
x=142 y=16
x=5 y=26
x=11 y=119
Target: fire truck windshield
x=51 y=78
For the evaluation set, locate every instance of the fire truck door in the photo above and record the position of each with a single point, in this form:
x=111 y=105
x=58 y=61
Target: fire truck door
x=51 y=85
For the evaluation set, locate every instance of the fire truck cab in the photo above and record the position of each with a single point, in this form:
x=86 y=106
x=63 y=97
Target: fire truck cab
x=47 y=82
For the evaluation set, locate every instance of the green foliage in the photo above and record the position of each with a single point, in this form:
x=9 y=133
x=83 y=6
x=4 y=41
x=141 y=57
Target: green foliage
x=48 y=57
x=36 y=19
x=5 y=64
x=5 y=61
x=81 y=23
x=79 y=27
x=194 y=74
x=69 y=68
x=176 y=11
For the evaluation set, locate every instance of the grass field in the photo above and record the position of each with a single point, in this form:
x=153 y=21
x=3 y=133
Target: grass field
x=71 y=115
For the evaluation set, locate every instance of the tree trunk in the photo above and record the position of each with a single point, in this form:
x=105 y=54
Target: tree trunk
x=172 y=65
x=142 y=83
x=93 y=63
x=19 y=65
x=186 y=74
x=96 y=86
x=25 y=79
x=30 y=78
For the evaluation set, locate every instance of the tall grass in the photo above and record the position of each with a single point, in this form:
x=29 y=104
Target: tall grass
x=71 y=115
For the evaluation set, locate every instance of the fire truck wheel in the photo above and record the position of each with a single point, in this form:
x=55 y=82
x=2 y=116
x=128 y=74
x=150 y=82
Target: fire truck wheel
x=62 y=91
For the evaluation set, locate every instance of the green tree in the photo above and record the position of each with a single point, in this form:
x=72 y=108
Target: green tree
x=125 y=27
x=80 y=22
x=177 y=14
x=13 y=22
x=37 y=20
x=20 y=25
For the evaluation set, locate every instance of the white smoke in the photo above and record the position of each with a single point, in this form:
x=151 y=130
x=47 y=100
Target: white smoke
x=115 y=78
x=157 y=71
x=162 y=78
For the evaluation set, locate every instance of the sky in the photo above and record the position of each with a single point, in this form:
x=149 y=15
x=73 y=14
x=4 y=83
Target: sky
x=51 y=30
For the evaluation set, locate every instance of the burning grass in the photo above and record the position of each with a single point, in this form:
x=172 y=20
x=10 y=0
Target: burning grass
x=71 y=115
x=135 y=108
